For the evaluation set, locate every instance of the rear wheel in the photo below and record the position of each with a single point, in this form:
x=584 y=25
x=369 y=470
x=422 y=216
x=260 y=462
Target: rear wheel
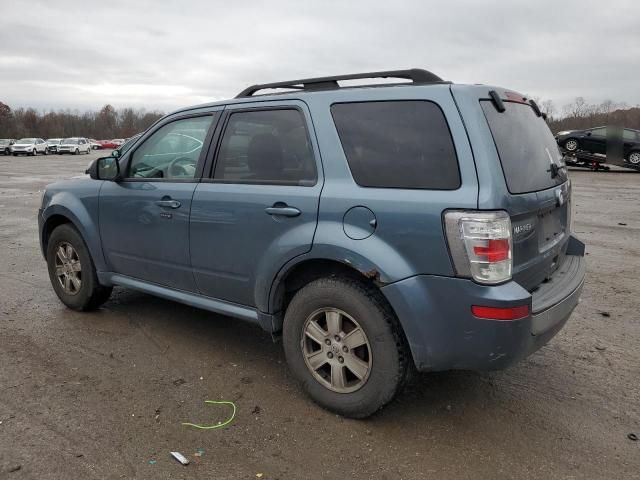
x=634 y=158
x=571 y=145
x=72 y=272
x=345 y=346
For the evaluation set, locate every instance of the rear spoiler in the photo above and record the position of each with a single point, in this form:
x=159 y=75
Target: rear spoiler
x=514 y=97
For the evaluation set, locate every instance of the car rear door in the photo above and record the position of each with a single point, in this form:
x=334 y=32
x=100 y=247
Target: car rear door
x=259 y=207
x=144 y=218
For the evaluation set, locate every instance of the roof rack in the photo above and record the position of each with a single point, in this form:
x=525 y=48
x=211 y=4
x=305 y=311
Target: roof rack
x=416 y=75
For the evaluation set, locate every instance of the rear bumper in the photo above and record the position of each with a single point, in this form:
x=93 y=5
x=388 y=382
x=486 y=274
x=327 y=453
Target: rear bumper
x=435 y=313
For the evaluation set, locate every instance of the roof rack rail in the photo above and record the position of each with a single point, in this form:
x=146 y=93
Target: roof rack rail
x=416 y=75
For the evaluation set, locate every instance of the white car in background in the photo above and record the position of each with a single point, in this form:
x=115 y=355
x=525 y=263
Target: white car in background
x=94 y=144
x=74 y=145
x=52 y=144
x=29 y=146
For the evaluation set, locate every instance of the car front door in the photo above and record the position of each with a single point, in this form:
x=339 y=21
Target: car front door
x=259 y=208
x=144 y=217
x=595 y=140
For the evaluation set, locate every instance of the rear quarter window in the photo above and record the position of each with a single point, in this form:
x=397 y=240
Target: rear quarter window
x=397 y=144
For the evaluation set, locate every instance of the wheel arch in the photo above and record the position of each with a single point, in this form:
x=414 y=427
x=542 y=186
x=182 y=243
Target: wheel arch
x=296 y=275
x=57 y=214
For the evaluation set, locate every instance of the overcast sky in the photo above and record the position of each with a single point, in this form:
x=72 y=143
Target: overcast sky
x=166 y=54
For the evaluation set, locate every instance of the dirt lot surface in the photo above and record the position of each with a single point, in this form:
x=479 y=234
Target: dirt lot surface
x=102 y=395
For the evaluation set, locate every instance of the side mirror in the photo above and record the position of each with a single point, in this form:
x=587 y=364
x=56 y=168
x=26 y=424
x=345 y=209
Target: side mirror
x=115 y=153
x=104 y=168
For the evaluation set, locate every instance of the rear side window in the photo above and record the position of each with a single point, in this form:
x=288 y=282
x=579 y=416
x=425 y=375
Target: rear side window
x=526 y=147
x=266 y=147
x=397 y=144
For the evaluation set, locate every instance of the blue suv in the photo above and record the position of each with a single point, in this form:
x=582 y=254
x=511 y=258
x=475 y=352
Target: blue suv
x=377 y=229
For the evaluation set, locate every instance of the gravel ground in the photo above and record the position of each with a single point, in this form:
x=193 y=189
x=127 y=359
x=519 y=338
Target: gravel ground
x=102 y=395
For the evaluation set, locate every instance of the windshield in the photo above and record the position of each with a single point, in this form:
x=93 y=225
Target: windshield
x=70 y=141
x=27 y=140
x=4 y=141
x=529 y=154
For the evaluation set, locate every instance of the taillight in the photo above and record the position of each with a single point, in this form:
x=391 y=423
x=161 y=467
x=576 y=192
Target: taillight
x=480 y=244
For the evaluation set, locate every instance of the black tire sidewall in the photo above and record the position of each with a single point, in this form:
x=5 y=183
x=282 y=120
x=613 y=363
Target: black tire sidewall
x=68 y=234
x=387 y=369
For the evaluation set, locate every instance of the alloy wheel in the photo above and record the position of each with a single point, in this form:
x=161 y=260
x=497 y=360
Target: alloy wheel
x=336 y=350
x=571 y=145
x=634 y=158
x=68 y=269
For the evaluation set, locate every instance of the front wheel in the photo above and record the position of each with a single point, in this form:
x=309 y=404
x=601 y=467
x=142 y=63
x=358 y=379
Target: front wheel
x=634 y=158
x=34 y=152
x=7 y=151
x=345 y=346
x=571 y=145
x=72 y=272
x=76 y=152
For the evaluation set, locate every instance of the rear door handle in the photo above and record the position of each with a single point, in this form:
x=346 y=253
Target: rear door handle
x=168 y=203
x=283 y=210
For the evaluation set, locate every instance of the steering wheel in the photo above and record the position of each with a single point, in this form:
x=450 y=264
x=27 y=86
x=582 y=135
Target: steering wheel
x=179 y=167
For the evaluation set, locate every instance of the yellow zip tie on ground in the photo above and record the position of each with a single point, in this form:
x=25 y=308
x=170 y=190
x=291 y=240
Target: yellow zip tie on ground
x=219 y=424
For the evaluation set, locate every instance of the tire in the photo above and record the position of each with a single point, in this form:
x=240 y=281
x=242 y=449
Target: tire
x=7 y=151
x=76 y=152
x=385 y=352
x=46 y=151
x=634 y=158
x=571 y=145
x=34 y=152
x=89 y=294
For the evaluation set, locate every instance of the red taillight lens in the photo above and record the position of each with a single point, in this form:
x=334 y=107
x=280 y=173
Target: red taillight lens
x=494 y=251
x=480 y=244
x=495 y=313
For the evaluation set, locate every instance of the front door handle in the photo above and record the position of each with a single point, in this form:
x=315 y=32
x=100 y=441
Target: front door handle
x=168 y=203
x=283 y=210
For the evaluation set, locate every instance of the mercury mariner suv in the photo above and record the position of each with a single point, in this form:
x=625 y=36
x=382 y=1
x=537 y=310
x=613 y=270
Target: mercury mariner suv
x=375 y=228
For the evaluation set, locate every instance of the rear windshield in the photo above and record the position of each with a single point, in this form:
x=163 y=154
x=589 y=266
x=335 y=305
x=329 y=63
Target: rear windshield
x=526 y=147
x=397 y=144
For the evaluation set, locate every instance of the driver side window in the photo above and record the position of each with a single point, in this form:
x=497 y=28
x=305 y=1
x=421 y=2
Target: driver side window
x=172 y=152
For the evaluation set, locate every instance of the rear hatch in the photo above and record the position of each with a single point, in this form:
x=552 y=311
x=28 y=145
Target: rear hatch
x=538 y=193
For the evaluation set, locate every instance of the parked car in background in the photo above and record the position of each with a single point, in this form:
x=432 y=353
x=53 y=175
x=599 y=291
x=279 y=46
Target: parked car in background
x=52 y=144
x=108 y=144
x=29 y=146
x=5 y=145
x=422 y=224
x=118 y=141
x=594 y=140
x=95 y=145
x=74 y=145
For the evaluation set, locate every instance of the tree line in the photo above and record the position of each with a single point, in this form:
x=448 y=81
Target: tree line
x=107 y=123
x=581 y=114
x=111 y=123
